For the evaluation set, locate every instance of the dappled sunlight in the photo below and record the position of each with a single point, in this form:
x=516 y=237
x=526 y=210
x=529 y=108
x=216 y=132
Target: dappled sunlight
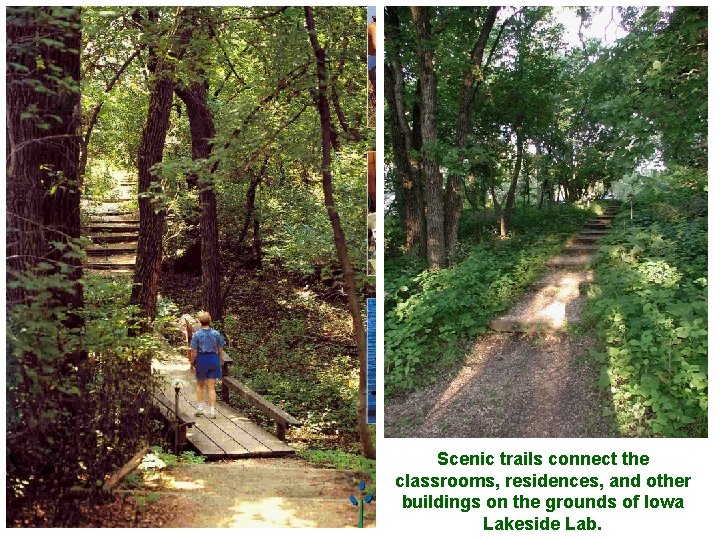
x=474 y=364
x=268 y=512
x=551 y=303
x=185 y=485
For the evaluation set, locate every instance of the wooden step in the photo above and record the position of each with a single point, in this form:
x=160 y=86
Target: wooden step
x=109 y=266
x=595 y=225
x=541 y=310
x=597 y=233
x=123 y=248
x=113 y=227
x=570 y=261
x=109 y=272
x=113 y=238
x=529 y=325
x=116 y=221
x=555 y=277
x=579 y=248
x=110 y=262
x=118 y=217
x=584 y=239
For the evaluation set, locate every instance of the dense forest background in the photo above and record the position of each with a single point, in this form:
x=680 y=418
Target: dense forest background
x=243 y=135
x=502 y=137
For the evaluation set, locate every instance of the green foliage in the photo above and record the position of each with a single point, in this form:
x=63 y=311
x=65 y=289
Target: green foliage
x=289 y=362
x=650 y=305
x=338 y=459
x=428 y=314
x=77 y=395
x=187 y=456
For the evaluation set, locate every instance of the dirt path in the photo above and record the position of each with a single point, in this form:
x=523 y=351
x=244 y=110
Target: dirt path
x=278 y=492
x=510 y=385
x=530 y=379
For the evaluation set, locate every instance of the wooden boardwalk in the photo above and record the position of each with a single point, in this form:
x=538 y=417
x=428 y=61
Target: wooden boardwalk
x=228 y=435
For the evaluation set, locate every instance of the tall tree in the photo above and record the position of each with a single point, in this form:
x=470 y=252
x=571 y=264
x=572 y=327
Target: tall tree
x=413 y=210
x=202 y=130
x=323 y=107
x=43 y=110
x=431 y=176
x=152 y=210
x=472 y=79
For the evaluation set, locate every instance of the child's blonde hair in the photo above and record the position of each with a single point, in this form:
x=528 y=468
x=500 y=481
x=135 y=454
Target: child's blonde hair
x=204 y=318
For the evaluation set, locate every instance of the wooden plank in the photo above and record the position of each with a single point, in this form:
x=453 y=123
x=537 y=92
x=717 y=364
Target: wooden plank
x=241 y=438
x=226 y=435
x=225 y=358
x=274 y=444
x=167 y=408
x=126 y=469
x=245 y=431
x=256 y=400
x=204 y=444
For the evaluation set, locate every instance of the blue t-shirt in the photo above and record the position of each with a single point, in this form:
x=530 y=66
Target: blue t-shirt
x=207 y=340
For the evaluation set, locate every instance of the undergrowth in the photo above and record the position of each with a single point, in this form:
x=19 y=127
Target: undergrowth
x=429 y=314
x=649 y=303
x=337 y=459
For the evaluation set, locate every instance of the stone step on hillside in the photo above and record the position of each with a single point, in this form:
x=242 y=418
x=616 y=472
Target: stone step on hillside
x=548 y=309
x=571 y=261
x=124 y=248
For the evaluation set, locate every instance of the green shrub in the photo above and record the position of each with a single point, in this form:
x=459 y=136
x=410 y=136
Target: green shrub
x=650 y=305
x=77 y=397
x=428 y=313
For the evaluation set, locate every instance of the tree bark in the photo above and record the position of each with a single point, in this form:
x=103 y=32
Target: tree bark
x=152 y=212
x=468 y=93
x=510 y=200
x=366 y=443
x=202 y=131
x=43 y=149
x=413 y=211
x=431 y=177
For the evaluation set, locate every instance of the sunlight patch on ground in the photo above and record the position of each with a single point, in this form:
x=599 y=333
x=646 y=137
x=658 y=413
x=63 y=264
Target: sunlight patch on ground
x=179 y=484
x=267 y=512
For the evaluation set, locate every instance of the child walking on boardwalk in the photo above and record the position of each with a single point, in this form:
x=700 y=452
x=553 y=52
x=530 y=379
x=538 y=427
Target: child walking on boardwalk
x=205 y=350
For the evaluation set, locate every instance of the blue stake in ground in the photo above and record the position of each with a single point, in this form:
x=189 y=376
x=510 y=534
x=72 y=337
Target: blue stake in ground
x=371 y=363
x=364 y=499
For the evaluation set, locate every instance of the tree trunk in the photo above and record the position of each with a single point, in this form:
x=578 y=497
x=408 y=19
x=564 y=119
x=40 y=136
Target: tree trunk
x=366 y=443
x=413 y=211
x=43 y=187
x=202 y=131
x=431 y=177
x=468 y=92
x=510 y=201
x=152 y=211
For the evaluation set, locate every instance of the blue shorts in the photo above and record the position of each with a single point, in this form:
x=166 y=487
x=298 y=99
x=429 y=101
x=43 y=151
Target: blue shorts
x=207 y=366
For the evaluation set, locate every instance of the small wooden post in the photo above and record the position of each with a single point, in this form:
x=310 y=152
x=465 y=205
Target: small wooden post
x=177 y=419
x=225 y=390
x=281 y=431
